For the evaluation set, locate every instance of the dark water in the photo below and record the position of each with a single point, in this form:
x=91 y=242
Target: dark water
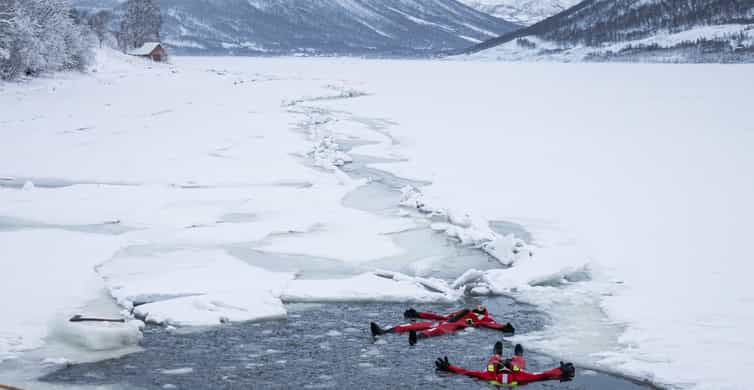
x=318 y=347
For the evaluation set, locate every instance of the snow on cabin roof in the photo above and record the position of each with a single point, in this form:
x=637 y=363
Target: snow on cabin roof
x=145 y=49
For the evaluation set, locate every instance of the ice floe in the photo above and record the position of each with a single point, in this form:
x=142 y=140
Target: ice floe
x=381 y=286
x=210 y=287
x=194 y=287
x=99 y=336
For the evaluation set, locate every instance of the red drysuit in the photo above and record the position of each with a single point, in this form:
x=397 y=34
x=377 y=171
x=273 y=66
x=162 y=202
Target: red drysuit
x=513 y=374
x=450 y=323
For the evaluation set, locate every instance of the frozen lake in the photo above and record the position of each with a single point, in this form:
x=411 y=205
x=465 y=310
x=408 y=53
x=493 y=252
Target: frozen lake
x=584 y=191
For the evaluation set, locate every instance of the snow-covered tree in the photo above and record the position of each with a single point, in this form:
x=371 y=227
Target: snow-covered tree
x=6 y=27
x=141 y=23
x=42 y=37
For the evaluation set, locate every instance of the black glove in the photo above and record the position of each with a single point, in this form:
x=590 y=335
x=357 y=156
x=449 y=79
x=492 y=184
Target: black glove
x=567 y=371
x=508 y=328
x=411 y=313
x=442 y=364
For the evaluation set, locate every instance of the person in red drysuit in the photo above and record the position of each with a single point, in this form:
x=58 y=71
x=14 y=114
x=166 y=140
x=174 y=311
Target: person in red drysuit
x=509 y=372
x=443 y=324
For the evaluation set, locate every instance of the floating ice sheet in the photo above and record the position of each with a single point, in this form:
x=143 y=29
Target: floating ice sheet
x=194 y=287
x=371 y=287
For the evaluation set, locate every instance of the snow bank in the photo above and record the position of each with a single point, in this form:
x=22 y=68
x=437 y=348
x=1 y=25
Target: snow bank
x=194 y=287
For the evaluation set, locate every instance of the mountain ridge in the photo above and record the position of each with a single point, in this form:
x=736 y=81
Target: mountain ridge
x=324 y=27
x=631 y=30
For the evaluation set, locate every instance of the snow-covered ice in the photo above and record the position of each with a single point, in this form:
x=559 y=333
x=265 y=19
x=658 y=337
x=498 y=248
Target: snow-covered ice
x=633 y=183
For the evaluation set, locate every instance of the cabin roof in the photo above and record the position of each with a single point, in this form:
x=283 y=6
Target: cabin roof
x=146 y=49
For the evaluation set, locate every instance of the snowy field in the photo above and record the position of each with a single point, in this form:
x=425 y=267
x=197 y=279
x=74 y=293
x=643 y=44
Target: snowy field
x=634 y=182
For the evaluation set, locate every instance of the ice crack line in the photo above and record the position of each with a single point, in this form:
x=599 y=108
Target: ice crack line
x=326 y=153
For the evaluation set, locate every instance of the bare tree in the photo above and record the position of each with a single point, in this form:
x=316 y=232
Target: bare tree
x=98 y=23
x=141 y=23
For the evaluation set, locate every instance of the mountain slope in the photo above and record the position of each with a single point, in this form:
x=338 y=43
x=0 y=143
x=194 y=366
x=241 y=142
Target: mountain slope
x=525 y=12
x=96 y=4
x=353 y=27
x=655 y=30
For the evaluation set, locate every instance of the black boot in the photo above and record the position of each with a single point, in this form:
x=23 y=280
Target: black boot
x=518 y=350
x=567 y=371
x=498 y=349
x=376 y=330
x=412 y=338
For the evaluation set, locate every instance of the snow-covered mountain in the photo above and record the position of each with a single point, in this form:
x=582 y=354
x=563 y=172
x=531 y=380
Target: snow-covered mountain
x=524 y=12
x=96 y=4
x=354 y=27
x=634 y=30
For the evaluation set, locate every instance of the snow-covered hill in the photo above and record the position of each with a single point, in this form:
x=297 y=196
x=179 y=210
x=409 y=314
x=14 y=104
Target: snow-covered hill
x=635 y=30
x=354 y=27
x=524 y=12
